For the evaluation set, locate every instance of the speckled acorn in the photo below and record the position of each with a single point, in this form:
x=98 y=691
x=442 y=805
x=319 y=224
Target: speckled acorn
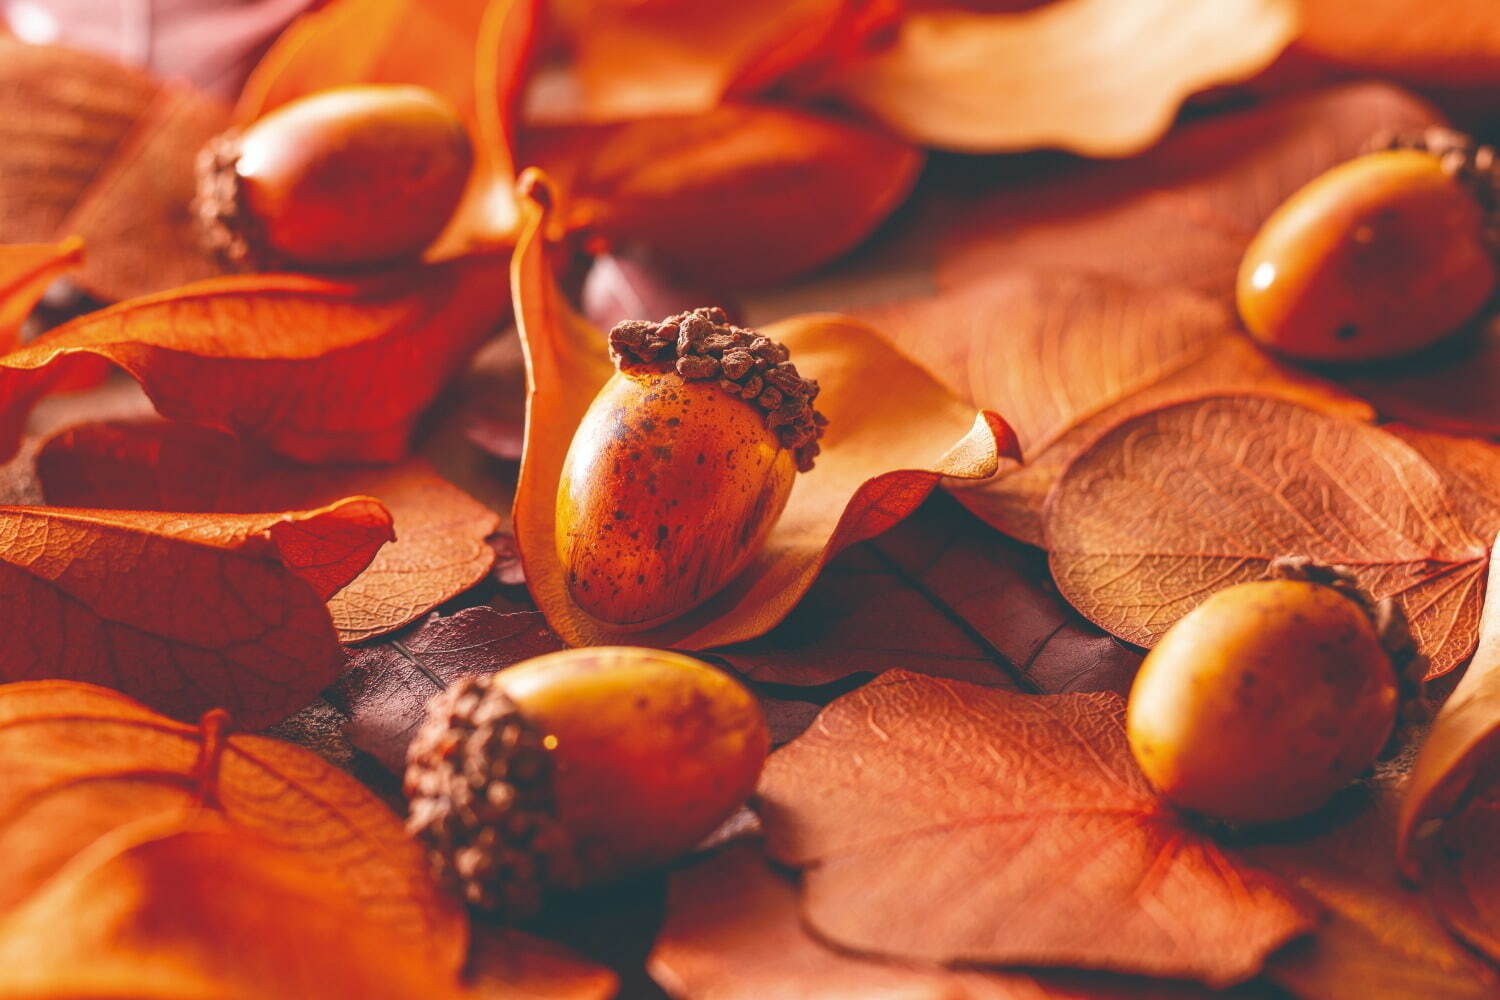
x=341 y=178
x=1269 y=697
x=1379 y=257
x=576 y=768
x=681 y=466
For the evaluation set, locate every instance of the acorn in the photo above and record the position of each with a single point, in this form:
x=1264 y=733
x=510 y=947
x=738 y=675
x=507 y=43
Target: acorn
x=1379 y=257
x=681 y=466
x=1270 y=696
x=342 y=178
x=576 y=768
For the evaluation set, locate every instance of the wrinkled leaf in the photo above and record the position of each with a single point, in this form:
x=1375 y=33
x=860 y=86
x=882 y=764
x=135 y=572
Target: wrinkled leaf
x=1066 y=356
x=940 y=821
x=1449 y=45
x=186 y=612
x=1177 y=503
x=314 y=369
x=91 y=148
x=26 y=269
x=877 y=466
x=439 y=549
x=1182 y=214
x=740 y=195
x=1083 y=75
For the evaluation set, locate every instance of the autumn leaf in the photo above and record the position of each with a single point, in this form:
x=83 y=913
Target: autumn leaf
x=507 y=964
x=314 y=369
x=742 y=194
x=1067 y=356
x=1464 y=883
x=93 y=149
x=26 y=270
x=1081 y=75
x=940 y=821
x=186 y=612
x=439 y=549
x=878 y=464
x=1182 y=214
x=1455 y=44
x=1174 y=504
x=1455 y=387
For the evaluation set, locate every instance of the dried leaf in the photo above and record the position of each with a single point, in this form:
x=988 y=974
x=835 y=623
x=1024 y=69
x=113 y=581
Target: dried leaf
x=314 y=369
x=1066 y=356
x=186 y=612
x=1454 y=44
x=26 y=270
x=507 y=964
x=1182 y=214
x=878 y=464
x=88 y=147
x=939 y=821
x=82 y=761
x=1464 y=883
x=740 y=195
x=440 y=548
x=1172 y=505
x=1081 y=75
x=1454 y=387
x=621 y=287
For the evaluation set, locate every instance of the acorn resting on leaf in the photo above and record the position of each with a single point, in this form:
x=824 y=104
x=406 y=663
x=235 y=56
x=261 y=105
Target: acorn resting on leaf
x=1381 y=256
x=681 y=466
x=578 y=767
x=344 y=177
x=1270 y=696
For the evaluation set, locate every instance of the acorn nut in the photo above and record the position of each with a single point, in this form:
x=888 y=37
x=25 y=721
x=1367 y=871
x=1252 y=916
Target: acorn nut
x=344 y=177
x=681 y=466
x=1270 y=696
x=578 y=767
x=1379 y=257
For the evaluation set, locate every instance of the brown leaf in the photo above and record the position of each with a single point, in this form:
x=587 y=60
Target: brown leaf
x=314 y=369
x=1464 y=883
x=104 y=152
x=440 y=548
x=1174 y=504
x=1454 y=387
x=739 y=195
x=508 y=964
x=1182 y=214
x=26 y=270
x=1447 y=45
x=187 y=612
x=1067 y=356
x=878 y=463
x=82 y=761
x=939 y=821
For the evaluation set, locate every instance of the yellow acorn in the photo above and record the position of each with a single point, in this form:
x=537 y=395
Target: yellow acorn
x=681 y=466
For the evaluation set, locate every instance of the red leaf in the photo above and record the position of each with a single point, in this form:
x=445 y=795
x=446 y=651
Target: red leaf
x=26 y=270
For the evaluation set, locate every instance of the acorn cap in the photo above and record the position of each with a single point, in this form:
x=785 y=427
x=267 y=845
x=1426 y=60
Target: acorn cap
x=226 y=227
x=479 y=780
x=703 y=346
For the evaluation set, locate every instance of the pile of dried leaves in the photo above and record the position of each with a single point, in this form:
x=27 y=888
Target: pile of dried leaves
x=256 y=520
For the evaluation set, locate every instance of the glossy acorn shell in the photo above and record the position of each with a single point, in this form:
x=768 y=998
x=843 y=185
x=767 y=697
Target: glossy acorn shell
x=1262 y=702
x=651 y=749
x=668 y=491
x=353 y=175
x=1379 y=257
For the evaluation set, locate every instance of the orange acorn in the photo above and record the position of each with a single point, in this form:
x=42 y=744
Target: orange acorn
x=681 y=466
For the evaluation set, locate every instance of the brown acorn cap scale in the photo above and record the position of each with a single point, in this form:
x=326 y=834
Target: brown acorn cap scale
x=1472 y=164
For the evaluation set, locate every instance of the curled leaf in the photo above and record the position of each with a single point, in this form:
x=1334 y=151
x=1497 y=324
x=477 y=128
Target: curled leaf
x=939 y=821
x=743 y=194
x=1174 y=504
x=313 y=369
x=128 y=142
x=186 y=612
x=25 y=272
x=1083 y=75
x=439 y=549
x=1449 y=45
x=880 y=459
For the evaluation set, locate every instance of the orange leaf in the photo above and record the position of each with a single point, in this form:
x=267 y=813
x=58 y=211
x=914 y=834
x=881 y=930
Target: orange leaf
x=1079 y=354
x=1454 y=387
x=26 y=270
x=939 y=821
x=1082 y=75
x=740 y=195
x=82 y=761
x=1182 y=214
x=1172 y=505
x=439 y=549
x=94 y=149
x=878 y=463
x=314 y=369
x=185 y=611
x=1451 y=44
